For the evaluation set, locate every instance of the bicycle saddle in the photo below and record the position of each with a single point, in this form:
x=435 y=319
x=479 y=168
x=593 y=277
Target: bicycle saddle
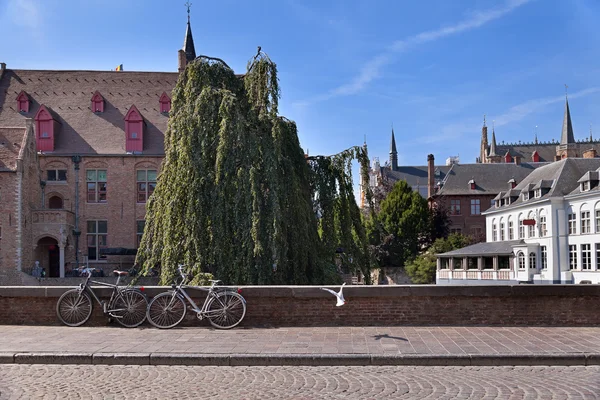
x=120 y=273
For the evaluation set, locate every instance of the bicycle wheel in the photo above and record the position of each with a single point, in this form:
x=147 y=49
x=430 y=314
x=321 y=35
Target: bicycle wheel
x=129 y=308
x=74 y=308
x=226 y=309
x=166 y=310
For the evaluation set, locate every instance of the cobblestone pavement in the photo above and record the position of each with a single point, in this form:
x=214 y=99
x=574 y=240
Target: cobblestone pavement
x=417 y=340
x=151 y=382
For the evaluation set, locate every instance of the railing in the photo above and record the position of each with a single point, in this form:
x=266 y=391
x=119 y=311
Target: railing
x=474 y=274
x=47 y=217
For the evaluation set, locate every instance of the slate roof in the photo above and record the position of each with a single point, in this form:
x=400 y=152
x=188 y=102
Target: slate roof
x=68 y=94
x=564 y=174
x=484 y=248
x=11 y=140
x=415 y=176
x=489 y=178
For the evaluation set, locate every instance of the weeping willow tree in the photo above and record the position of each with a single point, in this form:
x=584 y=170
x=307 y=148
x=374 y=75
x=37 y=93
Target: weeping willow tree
x=236 y=195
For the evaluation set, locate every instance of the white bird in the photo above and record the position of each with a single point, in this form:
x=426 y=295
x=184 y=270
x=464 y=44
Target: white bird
x=339 y=295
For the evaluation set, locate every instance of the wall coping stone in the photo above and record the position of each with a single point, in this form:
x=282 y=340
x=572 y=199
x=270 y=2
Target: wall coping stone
x=349 y=291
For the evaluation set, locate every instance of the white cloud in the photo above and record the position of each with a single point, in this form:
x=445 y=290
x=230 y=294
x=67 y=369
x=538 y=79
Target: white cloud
x=372 y=69
x=24 y=13
x=455 y=131
x=520 y=111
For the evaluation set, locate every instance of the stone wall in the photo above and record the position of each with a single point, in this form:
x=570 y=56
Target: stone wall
x=521 y=305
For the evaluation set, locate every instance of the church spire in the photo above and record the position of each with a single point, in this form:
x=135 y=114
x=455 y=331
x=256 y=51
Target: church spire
x=393 y=153
x=188 y=43
x=493 y=145
x=567 y=128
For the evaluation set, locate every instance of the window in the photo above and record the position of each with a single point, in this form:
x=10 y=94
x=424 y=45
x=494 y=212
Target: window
x=521 y=260
x=146 y=183
x=543 y=229
x=532 y=261
x=572 y=224
x=501 y=231
x=544 y=252
x=503 y=262
x=139 y=228
x=597 y=255
x=585 y=222
x=494 y=233
x=586 y=256
x=96 y=239
x=597 y=221
x=54 y=175
x=585 y=186
x=456 y=230
x=454 y=207
x=96 y=185
x=521 y=229
x=55 y=202
x=492 y=203
x=475 y=207
x=531 y=231
x=476 y=232
x=572 y=256
x=511 y=235
x=538 y=193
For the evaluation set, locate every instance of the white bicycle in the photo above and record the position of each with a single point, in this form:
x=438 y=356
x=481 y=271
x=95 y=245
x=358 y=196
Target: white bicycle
x=224 y=307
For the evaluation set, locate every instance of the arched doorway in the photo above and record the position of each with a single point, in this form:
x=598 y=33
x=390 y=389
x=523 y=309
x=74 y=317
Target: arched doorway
x=48 y=254
x=55 y=202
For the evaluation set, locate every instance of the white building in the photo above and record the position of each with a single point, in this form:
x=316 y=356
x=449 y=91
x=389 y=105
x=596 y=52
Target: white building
x=544 y=230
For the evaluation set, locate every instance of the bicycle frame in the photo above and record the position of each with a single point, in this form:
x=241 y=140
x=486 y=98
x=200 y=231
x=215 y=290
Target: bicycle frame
x=200 y=312
x=85 y=286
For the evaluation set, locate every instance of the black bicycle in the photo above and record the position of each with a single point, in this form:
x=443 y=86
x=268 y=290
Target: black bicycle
x=127 y=305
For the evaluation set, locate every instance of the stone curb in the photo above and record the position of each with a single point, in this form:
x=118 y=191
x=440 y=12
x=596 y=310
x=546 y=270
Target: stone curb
x=582 y=359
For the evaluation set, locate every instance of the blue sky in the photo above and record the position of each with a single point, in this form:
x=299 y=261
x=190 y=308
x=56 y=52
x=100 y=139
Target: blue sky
x=350 y=68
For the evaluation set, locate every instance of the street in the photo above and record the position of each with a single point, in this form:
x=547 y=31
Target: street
x=281 y=382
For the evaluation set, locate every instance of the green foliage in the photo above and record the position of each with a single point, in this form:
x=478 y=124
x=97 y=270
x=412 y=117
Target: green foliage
x=422 y=268
x=404 y=219
x=236 y=196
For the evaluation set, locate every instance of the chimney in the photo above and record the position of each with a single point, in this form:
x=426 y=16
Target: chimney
x=517 y=160
x=430 y=176
x=591 y=153
x=2 y=69
x=181 y=60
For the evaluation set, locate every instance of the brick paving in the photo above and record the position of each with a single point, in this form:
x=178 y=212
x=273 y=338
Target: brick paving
x=446 y=340
x=193 y=382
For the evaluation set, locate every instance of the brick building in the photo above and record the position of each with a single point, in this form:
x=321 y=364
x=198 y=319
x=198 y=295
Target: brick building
x=79 y=156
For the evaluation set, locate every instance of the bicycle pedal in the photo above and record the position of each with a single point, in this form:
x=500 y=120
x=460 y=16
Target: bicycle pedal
x=199 y=316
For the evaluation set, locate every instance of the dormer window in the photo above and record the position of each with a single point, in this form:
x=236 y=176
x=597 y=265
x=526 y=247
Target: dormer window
x=472 y=184
x=585 y=186
x=512 y=183
x=165 y=103
x=46 y=127
x=508 y=158
x=134 y=130
x=525 y=196
x=535 y=157
x=23 y=102
x=97 y=103
x=538 y=193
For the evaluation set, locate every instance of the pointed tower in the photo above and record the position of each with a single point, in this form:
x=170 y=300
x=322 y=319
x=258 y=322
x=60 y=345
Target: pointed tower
x=567 y=147
x=492 y=157
x=188 y=52
x=393 y=153
x=567 y=128
x=484 y=143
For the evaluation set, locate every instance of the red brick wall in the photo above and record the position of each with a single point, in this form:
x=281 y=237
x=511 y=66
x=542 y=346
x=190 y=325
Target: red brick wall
x=527 y=305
